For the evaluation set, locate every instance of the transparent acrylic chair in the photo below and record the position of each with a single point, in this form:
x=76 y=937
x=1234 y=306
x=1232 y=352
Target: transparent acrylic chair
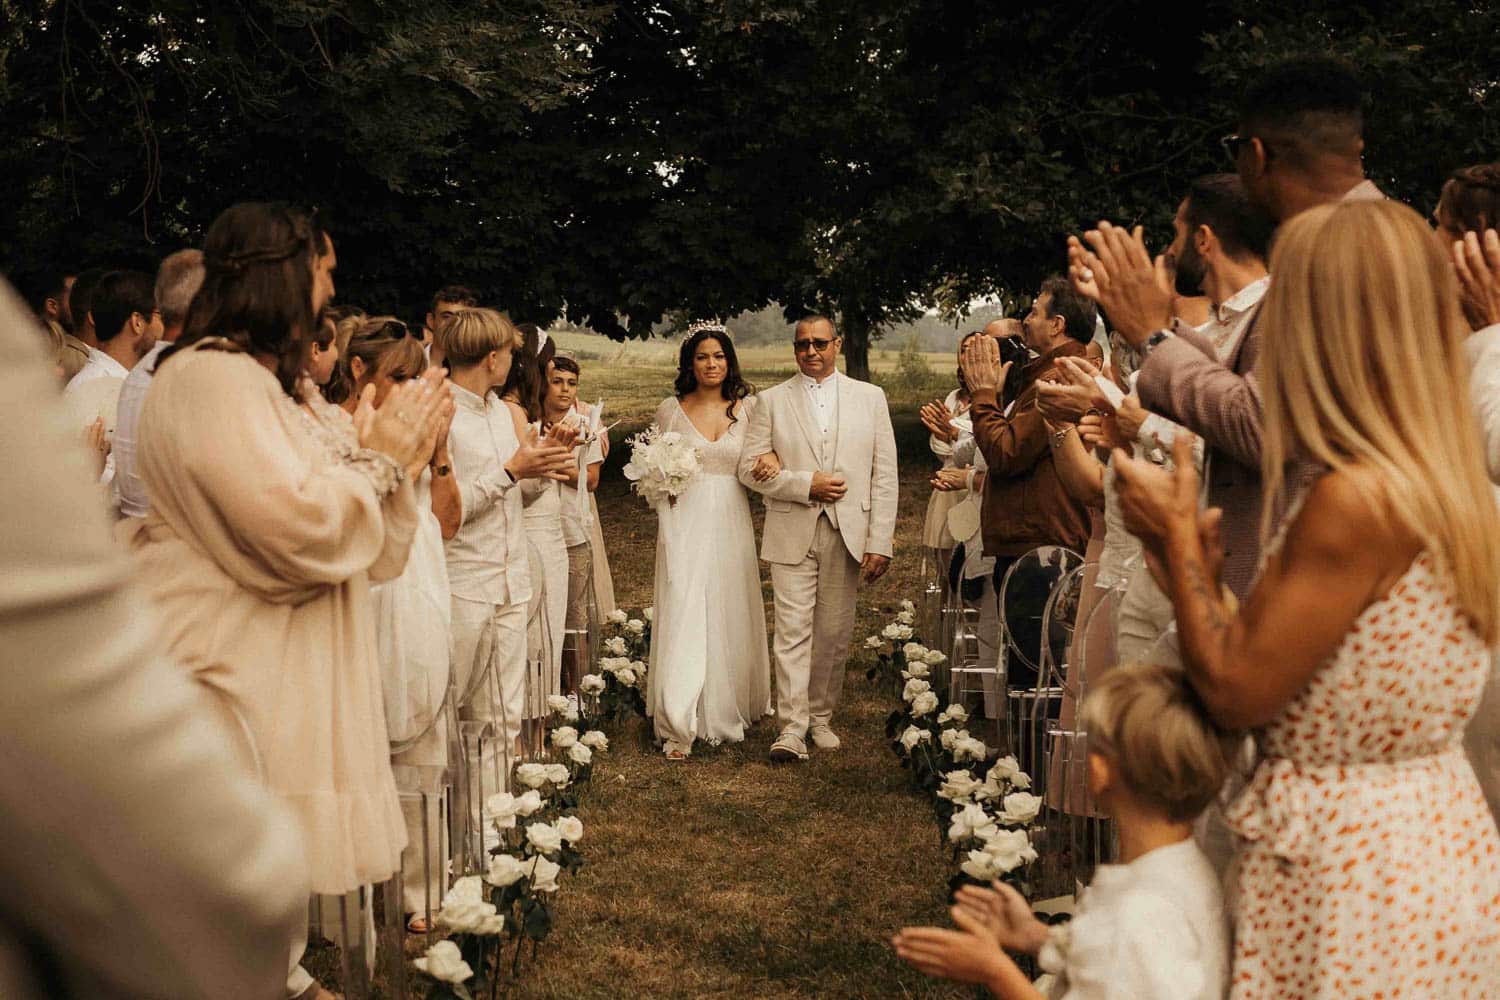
x=1026 y=592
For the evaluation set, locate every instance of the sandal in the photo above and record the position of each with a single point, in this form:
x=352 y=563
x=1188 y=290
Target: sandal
x=674 y=751
x=417 y=924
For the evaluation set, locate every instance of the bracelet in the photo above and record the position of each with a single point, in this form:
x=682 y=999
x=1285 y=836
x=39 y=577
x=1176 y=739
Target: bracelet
x=1058 y=437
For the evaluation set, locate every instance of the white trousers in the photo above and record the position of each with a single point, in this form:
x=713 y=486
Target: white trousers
x=814 y=618
x=489 y=670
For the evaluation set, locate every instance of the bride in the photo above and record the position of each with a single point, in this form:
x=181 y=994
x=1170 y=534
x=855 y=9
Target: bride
x=710 y=673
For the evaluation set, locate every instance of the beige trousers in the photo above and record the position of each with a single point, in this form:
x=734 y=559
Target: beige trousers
x=814 y=619
x=1144 y=615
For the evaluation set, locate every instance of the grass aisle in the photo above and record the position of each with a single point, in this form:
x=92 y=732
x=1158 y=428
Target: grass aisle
x=727 y=877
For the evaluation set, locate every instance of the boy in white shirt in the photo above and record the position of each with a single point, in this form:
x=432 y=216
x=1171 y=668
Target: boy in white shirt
x=1154 y=925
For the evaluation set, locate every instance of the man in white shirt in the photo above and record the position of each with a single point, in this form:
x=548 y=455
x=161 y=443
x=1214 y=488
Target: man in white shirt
x=177 y=281
x=127 y=325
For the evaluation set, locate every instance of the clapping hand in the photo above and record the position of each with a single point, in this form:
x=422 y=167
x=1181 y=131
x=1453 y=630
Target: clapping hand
x=1132 y=289
x=98 y=443
x=1073 y=393
x=1476 y=258
x=405 y=425
x=981 y=365
x=939 y=420
x=1004 y=915
x=767 y=467
x=537 y=458
x=950 y=480
x=966 y=955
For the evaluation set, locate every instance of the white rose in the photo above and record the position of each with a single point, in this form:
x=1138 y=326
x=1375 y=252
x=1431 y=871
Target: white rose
x=544 y=875
x=924 y=703
x=1021 y=807
x=1010 y=849
x=469 y=889
x=649 y=614
x=953 y=713
x=981 y=865
x=934 y=658
x=580 y=754
x=635 y=627
x=595 y=741
x=990 y=790
x=908 y=606
x=564 y=737
x=571 y=828
x=971 y=821
x=591 y=684
x=615 y=646
x=445 y=963
x=614 y=664
x=957 y=785
x=907 y=618
x=916 y=668
x=558 y=774
x=501 y=810
x=914 y=687
x=571 y=715
x=557 y=703
x=626 y=676
x=505 y=869
x=913 y=736
x=969 y=749
x=544 y=837
x=914 y=650
x=528 y=803
x=468 y=917
x=532 y=775
x=950 y=737
x=896 y=632
x=616 y=617
x=1005 y=769
x=874 y=642
x=1021 y=780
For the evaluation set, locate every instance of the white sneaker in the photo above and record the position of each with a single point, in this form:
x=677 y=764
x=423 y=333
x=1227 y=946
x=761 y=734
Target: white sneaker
x=823 y=737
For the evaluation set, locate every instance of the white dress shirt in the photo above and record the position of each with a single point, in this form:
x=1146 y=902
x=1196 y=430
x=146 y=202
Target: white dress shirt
x=823 y=398
x=1151 y=929
x=129 y=491
x=99 y=365
x=487 y=557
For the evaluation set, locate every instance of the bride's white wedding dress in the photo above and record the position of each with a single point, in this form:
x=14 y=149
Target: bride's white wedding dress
x=710 y=671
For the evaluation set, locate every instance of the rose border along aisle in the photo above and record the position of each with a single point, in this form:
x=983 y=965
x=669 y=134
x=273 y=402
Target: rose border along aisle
x=983 y=807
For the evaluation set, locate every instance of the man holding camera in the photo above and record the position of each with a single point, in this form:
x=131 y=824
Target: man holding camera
x=1025 y=504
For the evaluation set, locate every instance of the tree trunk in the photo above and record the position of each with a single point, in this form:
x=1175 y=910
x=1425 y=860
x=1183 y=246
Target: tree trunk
x=857 y=348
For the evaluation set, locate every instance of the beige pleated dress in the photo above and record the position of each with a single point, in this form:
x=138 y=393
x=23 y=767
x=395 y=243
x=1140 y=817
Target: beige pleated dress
x=268 y=524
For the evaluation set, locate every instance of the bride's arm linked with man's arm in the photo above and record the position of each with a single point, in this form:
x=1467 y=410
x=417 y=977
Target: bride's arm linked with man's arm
x=790 y=485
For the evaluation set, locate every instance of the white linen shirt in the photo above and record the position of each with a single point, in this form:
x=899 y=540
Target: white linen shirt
x=487 y=557
x=99 y=365
x=1151 y=929
x=129 y=491
x=823 y=400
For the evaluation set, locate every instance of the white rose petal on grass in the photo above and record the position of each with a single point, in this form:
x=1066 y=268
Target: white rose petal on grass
x=564 y=737
x=558 y=774
x=595 y=741
x=957 y=785
x=445 y=963
x=532 y=775
x=591 y=684
x=934 y=658
x=571 y=829
x=914 y=687
x=580 y=754
x=971 y=821
x=544 y=837
x=544 y=875
x=1021 y=808
x=924 y=703
x=505 y=870
x=528 y=803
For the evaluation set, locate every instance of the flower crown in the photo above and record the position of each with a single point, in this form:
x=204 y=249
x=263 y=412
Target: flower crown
x=702 y=325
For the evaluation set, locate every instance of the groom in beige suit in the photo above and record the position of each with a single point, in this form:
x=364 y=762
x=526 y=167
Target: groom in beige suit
x=830 y=515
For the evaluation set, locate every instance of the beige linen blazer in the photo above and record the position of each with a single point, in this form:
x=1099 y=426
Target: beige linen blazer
x=863 y=451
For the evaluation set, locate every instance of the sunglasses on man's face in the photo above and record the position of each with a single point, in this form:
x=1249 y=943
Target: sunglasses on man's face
x=818 y=344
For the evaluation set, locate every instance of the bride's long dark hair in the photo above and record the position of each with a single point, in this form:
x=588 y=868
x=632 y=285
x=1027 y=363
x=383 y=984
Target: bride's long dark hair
x=734 y=389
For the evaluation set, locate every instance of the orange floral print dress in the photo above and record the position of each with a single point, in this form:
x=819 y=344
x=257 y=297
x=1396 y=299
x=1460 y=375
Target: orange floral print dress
x=1369 y=865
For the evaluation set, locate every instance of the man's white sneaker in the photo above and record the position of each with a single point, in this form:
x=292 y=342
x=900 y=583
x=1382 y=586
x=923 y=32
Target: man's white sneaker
x=823 y=737
x=788 y=748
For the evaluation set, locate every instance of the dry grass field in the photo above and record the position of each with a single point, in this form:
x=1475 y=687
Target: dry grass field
x=724 y=876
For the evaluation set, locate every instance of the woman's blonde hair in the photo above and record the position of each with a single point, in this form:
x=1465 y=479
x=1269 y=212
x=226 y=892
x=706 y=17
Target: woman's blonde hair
x=469 y=335
x=1363 y=362
x=1147 y=721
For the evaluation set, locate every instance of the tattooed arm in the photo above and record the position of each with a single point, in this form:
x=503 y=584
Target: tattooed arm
x=1339 y=556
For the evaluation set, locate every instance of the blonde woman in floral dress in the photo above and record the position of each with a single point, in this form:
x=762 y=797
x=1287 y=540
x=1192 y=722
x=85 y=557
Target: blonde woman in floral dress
x=1368 y=865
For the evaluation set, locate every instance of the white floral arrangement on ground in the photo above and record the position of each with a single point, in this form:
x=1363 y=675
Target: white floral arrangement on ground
x=662 y=464
x=980 y=800
x=618 y=689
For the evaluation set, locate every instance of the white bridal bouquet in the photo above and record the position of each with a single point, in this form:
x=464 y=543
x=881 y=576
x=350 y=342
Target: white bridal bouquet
x=661 y=464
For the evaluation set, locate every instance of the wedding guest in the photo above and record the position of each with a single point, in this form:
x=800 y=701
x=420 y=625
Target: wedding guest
x=1299 y=144
x=446 y=302
x=47 y=292
x=1362 y=651
x=938 y=418
x=1467 y=213
x=1148 y=927
x=412 y=617
x=489 y=574
x=177 y=281
x=80 y=303
x=268 y=522
x=561 y=395
x=1025 y=502
x=141 y=860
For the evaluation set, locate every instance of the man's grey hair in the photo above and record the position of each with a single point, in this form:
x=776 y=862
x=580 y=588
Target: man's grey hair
x=177 y=281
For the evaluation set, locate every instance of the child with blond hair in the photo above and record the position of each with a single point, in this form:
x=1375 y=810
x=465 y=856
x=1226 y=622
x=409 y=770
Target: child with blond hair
x=1153 y=925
